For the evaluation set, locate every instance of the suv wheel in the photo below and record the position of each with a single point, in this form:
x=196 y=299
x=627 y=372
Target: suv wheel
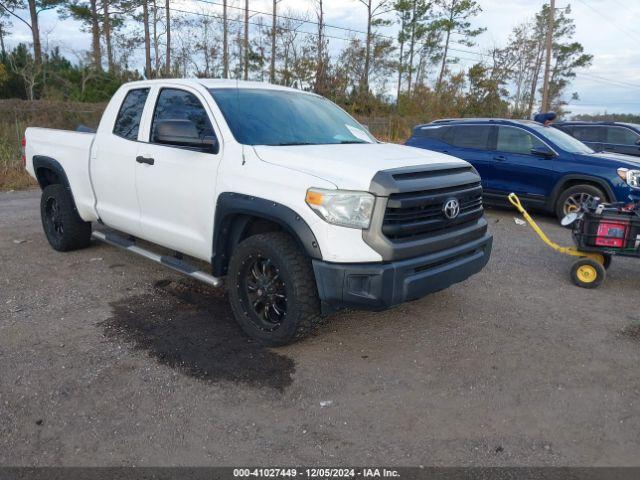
x=62 y=225
x=570 y=200
x=272 y=289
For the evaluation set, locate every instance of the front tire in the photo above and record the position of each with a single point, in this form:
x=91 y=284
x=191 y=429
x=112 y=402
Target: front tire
x=62 y=225
x=272 y=289
x=570 y=200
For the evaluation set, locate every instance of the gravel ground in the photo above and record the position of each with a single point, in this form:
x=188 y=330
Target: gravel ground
x=108 y=359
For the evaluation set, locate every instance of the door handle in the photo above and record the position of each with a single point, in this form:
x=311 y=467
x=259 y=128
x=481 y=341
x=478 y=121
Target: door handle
x=148 y=161
x=500 y=158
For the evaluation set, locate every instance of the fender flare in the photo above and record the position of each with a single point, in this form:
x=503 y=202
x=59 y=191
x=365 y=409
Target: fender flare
x=44 y=162
x=234 y=213
x=40 y=162
x=587 y=178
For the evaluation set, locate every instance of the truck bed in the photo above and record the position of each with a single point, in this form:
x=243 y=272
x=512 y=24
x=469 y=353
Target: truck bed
x=72 y=151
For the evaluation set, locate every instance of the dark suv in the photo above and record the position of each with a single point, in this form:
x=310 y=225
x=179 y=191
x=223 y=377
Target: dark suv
x=546 y=167
x=614 y=137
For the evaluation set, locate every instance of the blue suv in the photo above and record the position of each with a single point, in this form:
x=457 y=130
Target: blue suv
x=616 y=137
x=547 y=168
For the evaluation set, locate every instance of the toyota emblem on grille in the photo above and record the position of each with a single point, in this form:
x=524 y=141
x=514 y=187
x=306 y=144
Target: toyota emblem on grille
x=451 y=208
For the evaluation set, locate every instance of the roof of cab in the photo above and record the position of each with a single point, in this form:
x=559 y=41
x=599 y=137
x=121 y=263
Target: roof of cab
x=453 y=121
x=214 y=83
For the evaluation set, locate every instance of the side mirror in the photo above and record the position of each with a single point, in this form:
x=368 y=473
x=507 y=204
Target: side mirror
x=543 y=151
x=183 y=133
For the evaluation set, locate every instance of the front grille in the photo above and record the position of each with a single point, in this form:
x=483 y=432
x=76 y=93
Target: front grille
x=414 y=214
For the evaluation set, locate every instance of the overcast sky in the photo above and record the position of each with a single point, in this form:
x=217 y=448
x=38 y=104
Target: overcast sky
x=608 y=29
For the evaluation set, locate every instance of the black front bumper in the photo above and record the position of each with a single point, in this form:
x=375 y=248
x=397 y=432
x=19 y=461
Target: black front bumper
x=377 y=286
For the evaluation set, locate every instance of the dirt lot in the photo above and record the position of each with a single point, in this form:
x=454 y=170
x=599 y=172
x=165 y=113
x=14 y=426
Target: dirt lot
x=108 y=359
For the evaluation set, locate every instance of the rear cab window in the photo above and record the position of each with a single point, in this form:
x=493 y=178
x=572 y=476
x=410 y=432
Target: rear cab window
x=127 y=122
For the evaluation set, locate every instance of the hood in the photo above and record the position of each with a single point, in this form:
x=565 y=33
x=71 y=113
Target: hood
x=619 y=159
x=351 y=167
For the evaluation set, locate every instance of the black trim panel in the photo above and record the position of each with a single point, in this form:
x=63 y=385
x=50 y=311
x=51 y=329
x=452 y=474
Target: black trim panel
x=234 y=212
x=377 y=286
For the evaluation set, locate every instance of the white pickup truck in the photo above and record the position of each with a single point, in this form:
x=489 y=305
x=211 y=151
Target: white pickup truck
x=280 y=191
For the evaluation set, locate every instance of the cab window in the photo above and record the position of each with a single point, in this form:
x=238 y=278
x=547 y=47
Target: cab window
x=621 y=136
x=588 y=133
x=469 y=136
x=128 y=119
x=175 y=104
x=516 y=140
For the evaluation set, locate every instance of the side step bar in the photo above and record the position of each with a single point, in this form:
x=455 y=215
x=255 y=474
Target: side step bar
x=166 y=260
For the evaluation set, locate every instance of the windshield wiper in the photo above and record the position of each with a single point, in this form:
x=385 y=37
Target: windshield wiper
x=289 y=144
x=346 y=142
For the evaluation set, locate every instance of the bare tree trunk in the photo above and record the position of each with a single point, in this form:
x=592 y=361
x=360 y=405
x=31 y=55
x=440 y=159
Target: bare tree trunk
x=35 y=33
x=107 y=35
x=272 y=67
x=246 y=40
x=225 y=41
x=412 y=47
x=167 y=65
x=147 y=40
x=444 y=59
x=2 y=49
x=364 y=84
x=156 y=47
x=319 y=86
x=95 y=36
x=534 y=82
x=400 y=65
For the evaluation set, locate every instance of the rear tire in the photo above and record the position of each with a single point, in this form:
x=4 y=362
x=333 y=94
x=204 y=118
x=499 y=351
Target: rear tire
x=569 y=200
x=62 y=225
x=272 y=289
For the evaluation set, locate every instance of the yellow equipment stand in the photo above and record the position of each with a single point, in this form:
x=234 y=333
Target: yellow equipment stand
x=588 y=271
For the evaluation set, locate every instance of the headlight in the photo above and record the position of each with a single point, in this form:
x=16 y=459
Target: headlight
x=632 y=177
x=341 y=207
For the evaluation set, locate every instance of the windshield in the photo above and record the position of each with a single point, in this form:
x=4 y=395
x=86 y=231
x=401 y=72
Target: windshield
x=273 y=117
x=563 y=140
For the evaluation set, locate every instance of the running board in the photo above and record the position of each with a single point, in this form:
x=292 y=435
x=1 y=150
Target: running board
x=173 y=263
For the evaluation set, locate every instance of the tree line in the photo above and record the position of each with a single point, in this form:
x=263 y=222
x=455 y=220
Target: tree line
x=414 y=72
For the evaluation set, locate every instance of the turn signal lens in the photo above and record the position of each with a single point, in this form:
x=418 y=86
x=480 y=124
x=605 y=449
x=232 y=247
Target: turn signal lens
x=314 y=197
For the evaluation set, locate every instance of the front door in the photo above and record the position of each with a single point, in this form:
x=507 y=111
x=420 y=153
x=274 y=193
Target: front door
x=176 y=183
x=529 y=176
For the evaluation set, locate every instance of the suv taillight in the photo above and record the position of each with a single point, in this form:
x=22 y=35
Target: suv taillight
x=24 y=151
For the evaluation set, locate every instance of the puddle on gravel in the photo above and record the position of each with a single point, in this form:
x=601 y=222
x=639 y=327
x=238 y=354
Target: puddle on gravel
x=189 y=327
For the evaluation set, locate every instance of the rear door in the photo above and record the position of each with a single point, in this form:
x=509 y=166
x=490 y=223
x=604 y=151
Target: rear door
x=472 y=143
x=621 y=139
x=176 y=184
x=530 y=176
x=113 y=165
